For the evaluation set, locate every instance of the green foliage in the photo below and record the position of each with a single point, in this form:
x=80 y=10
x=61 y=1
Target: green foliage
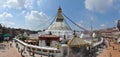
x=36 y=42
x=23 y=38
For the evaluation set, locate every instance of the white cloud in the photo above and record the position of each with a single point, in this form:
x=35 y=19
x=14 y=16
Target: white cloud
x=36 y=19
x=5 y=15
x=18 y=4
x=23 y=12
x=36 y=16
x=99 y=5
x=28 y=4
x=38 y=2
x=7 y=23
x=80 y=23
x=2 y=2
x=116 y=21
x=103 y=26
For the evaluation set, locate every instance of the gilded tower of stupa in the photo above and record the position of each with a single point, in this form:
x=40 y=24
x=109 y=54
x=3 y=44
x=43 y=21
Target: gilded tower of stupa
x=60 y=27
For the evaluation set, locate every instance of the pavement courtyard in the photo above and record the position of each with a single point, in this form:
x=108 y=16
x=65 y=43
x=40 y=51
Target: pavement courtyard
x=111 y=51
x=7 y=51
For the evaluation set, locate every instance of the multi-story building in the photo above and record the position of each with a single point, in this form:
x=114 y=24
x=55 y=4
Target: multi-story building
x=110 y=32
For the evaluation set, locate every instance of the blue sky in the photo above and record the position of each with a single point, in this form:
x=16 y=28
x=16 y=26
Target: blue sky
x=37 y=14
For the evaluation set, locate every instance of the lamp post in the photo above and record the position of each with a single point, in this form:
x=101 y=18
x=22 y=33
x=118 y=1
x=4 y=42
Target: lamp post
x=118 y=26
x=91 y=22
x=91 y=34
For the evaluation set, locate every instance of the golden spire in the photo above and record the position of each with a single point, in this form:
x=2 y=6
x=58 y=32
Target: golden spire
x=59 y=10
x=59 y=15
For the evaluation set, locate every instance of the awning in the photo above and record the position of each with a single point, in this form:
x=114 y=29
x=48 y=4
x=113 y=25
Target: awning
x=6 y=35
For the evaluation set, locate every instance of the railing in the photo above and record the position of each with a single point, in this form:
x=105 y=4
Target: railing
x=30 y=47
x=33 y=46
x=98 y=43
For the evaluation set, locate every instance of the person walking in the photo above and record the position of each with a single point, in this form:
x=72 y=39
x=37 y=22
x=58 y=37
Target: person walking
x=10 y=44
x=16 y=45
x=48 y=55
x=33 y=53
x=109 y=44
x=110 y=55
x=52 y=55
x=113 y=47
x=30 y=52
x=21 y=52
x=18 y=49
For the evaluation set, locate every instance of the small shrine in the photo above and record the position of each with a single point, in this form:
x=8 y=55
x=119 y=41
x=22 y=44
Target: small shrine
x=48 y=40
x=77 y=47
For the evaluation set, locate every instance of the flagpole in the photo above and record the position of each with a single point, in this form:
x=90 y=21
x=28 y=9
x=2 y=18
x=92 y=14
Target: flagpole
x=91 y=22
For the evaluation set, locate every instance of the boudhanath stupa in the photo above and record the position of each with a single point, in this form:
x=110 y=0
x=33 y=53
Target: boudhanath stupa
x=60 y=27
